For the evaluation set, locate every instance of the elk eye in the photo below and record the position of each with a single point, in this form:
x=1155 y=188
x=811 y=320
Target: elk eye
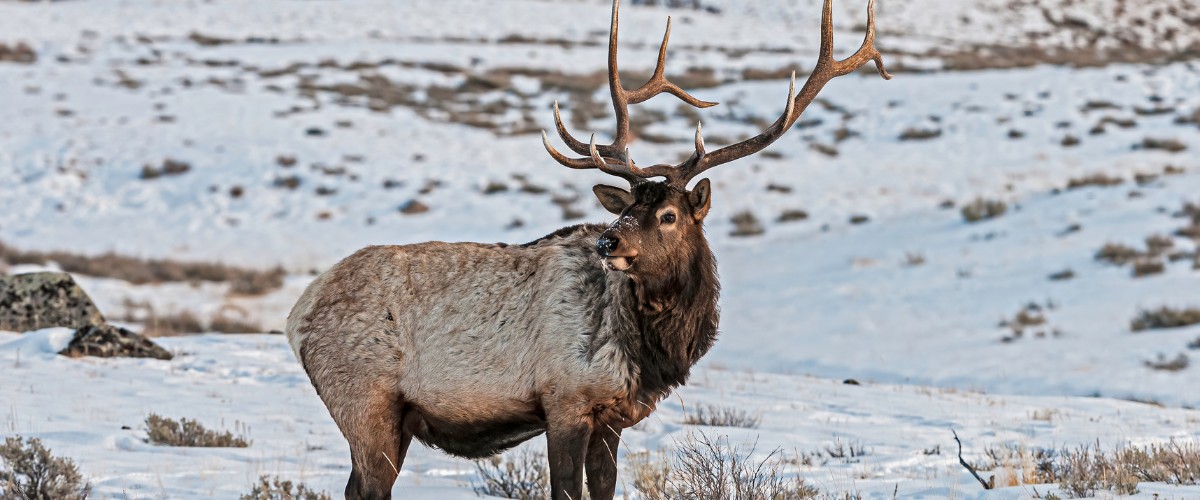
x=668 y=218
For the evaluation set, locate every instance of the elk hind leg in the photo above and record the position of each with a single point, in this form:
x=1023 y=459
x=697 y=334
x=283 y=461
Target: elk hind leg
x=378 y=430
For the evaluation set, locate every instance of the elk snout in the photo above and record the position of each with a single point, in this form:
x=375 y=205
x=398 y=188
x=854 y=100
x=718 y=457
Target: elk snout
x=617 y=257
x=607 y=245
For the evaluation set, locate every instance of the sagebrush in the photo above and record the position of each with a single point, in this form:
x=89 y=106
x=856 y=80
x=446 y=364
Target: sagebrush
x=29 y=471
x=190 y=433
x=276 y=489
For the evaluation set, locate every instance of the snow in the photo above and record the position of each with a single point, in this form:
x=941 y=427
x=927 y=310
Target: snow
x=804 y=306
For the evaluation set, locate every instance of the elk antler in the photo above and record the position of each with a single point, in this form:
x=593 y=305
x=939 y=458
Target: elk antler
x=614 y=158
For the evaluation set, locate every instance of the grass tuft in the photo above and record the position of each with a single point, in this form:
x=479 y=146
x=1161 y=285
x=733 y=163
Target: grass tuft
x=722 y=416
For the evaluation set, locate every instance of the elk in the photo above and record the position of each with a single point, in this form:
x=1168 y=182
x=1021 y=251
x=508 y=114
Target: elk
x=475 y=348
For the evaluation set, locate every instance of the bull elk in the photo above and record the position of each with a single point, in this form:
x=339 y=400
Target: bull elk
x=475 y=348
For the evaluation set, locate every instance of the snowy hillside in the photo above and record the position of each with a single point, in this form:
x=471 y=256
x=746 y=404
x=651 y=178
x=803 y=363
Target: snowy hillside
x=291 y=133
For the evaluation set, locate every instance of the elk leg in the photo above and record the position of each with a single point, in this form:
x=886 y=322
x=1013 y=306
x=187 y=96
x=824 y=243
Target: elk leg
x=566 y=446
x=601 y=462
x=378 y=442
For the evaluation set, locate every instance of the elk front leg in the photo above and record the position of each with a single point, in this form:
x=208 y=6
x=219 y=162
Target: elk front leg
x=602 y=462
x=566 y=447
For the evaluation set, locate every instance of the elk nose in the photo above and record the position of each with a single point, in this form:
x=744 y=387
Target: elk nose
x=607 y=245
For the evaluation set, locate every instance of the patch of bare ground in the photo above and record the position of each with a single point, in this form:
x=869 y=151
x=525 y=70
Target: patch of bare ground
x=141 y=271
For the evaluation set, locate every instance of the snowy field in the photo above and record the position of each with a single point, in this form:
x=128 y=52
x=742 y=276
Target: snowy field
x=307 y=125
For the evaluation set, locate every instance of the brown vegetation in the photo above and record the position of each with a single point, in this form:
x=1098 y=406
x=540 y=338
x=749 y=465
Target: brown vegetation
x=277 y=489
x=29 y=471
x=189 y=433
x=1165 y=317
x=982 y=209
x=147 y=271
x=522 y=476
x=721 y=416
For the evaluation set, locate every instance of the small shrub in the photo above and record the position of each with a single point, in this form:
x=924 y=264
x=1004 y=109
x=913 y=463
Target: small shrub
x=1180 y=363
x=1116 y=253
x=1086 y=471
x=29 y=471
x=1165 y=317
x=1168 y=145
x=1063 y=275
x=920 y=134
x=914 y=259
x=20 y=53
x=189 y=433
x=792 y=215
x=1100 y=180
x=1069 y=141
x=746 y=224
x=722 y=416
x=982 y=209
x=413 y=207
x=859 y=219
x=1148 y=267
x=276 y=489
x=169 y=167
x=524 y=476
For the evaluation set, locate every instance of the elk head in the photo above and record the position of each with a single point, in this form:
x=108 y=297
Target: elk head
x=659 y=220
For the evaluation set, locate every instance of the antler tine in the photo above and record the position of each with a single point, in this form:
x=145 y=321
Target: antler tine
x=866 y=51
x=576 y=145
x=659 y=84
x=575 y=163
x=826 y=69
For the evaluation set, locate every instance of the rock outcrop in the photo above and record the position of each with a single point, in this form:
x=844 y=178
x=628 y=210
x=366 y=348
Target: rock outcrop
x=42 y=300
x=108 y=341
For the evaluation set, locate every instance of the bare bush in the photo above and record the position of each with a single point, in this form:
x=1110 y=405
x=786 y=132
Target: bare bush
x=713 y=469
x=29 y=471
x=1101 y=180
x=1178 y=363
x=1165 y=317
x=1116 y=253
x=1168 y=145
x=1087 y=471
x=276 y=489
x=982 y=209
x=722 y=416
x=189 y=433
x=746 y=224
x=521 y=476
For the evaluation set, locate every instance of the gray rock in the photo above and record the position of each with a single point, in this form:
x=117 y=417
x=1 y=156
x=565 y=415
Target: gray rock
x=108 y=341
x=42 y=300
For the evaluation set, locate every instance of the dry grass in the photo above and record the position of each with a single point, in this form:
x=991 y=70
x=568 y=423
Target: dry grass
x=523 y=476
x=1165 y=317
x=713 y=469
x=29 y=471
x=146 y=271
x=919 y=134
x=722 y=416
x=276 y=489
x=981 y=209
x=189 y=433
x=1087 y=471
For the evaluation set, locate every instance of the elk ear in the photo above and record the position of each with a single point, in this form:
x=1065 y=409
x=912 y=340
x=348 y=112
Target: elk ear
x=613 y=198
x=701 y=198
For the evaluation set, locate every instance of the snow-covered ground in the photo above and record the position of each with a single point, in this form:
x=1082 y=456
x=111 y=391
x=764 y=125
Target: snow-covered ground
x=252 y=384
x=229 y=88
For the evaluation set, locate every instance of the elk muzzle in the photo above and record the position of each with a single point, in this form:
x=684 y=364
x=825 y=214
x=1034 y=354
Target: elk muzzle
x=617 y=255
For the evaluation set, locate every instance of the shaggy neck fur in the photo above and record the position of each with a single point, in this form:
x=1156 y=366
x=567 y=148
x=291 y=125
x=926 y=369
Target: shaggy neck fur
x=672 y=320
